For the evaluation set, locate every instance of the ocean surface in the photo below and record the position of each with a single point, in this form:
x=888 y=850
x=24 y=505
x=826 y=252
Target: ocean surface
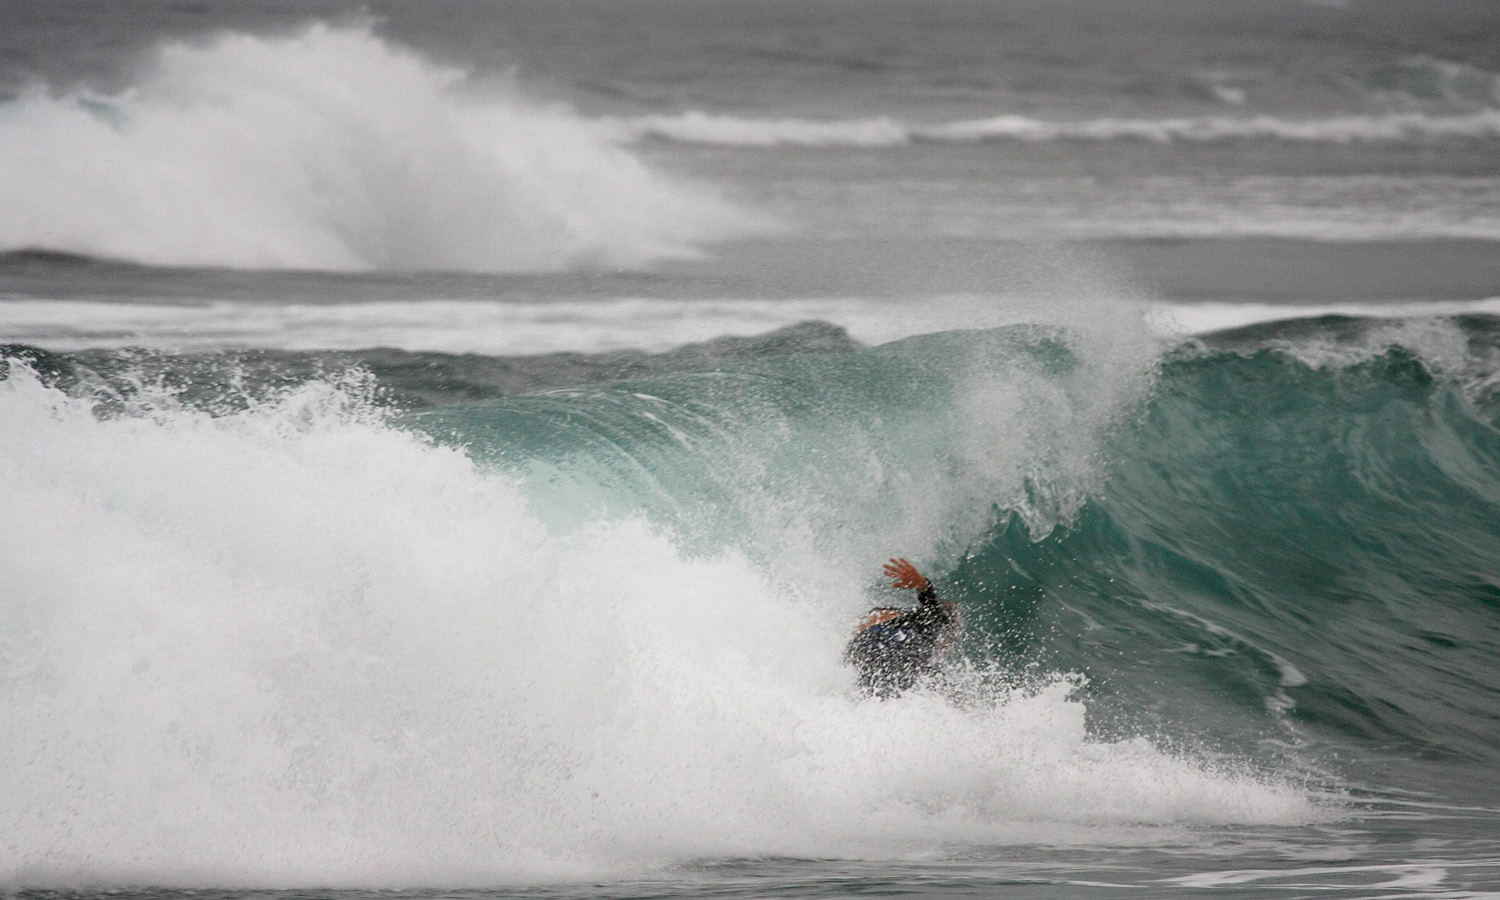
x=444 y=447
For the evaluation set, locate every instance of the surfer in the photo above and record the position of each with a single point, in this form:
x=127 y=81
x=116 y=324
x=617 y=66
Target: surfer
x=894 y=647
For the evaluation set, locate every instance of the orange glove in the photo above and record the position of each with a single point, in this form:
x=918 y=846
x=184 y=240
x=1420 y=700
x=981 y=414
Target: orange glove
x=904 y=575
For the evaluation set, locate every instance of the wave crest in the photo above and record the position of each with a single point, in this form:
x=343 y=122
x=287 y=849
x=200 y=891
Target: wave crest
x=333 y=149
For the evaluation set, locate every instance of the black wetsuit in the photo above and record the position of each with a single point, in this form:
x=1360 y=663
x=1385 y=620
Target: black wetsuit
x=892 y=655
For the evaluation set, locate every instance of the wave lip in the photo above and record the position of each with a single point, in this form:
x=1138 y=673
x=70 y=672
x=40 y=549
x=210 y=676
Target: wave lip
x=332 y=149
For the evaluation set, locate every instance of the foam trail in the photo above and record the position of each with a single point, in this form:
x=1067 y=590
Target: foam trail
x=697 y=127
x=298 y=645
x=333 y=149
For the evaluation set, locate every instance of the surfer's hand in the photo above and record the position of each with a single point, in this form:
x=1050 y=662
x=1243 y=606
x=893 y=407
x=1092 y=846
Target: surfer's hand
x=904 y=575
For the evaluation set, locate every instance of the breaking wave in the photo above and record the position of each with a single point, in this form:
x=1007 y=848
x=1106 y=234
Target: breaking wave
x=576 y=633
x=333 y=149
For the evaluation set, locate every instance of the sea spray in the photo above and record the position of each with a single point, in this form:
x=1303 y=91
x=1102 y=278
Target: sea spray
x=811 y=463
x=331 y=148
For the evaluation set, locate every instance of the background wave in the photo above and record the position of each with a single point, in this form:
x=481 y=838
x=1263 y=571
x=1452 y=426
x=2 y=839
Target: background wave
x=712 y=129
x=333 y=149
x=1415 y=99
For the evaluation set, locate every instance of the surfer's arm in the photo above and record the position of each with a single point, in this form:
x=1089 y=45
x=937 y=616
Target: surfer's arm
x=905 y=575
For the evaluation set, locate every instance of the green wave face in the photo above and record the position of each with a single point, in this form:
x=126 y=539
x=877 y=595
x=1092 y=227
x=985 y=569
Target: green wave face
x=1311 y=546
x=1253 y=551
x=822 y=461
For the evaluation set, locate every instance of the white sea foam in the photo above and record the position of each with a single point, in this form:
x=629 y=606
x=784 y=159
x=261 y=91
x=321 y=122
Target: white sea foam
x=498 y=328
x=1205 y=318
x=697 y=127
x=297 y=645
x=520 y=328
x=333 y=149
x=1319 y=208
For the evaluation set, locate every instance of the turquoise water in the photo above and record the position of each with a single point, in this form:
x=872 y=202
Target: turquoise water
x=1252 y=541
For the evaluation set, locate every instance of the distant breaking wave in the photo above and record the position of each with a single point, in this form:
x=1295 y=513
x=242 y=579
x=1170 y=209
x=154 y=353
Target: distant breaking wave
x=1427 y=78
x=333 y=149
x=883 y=131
